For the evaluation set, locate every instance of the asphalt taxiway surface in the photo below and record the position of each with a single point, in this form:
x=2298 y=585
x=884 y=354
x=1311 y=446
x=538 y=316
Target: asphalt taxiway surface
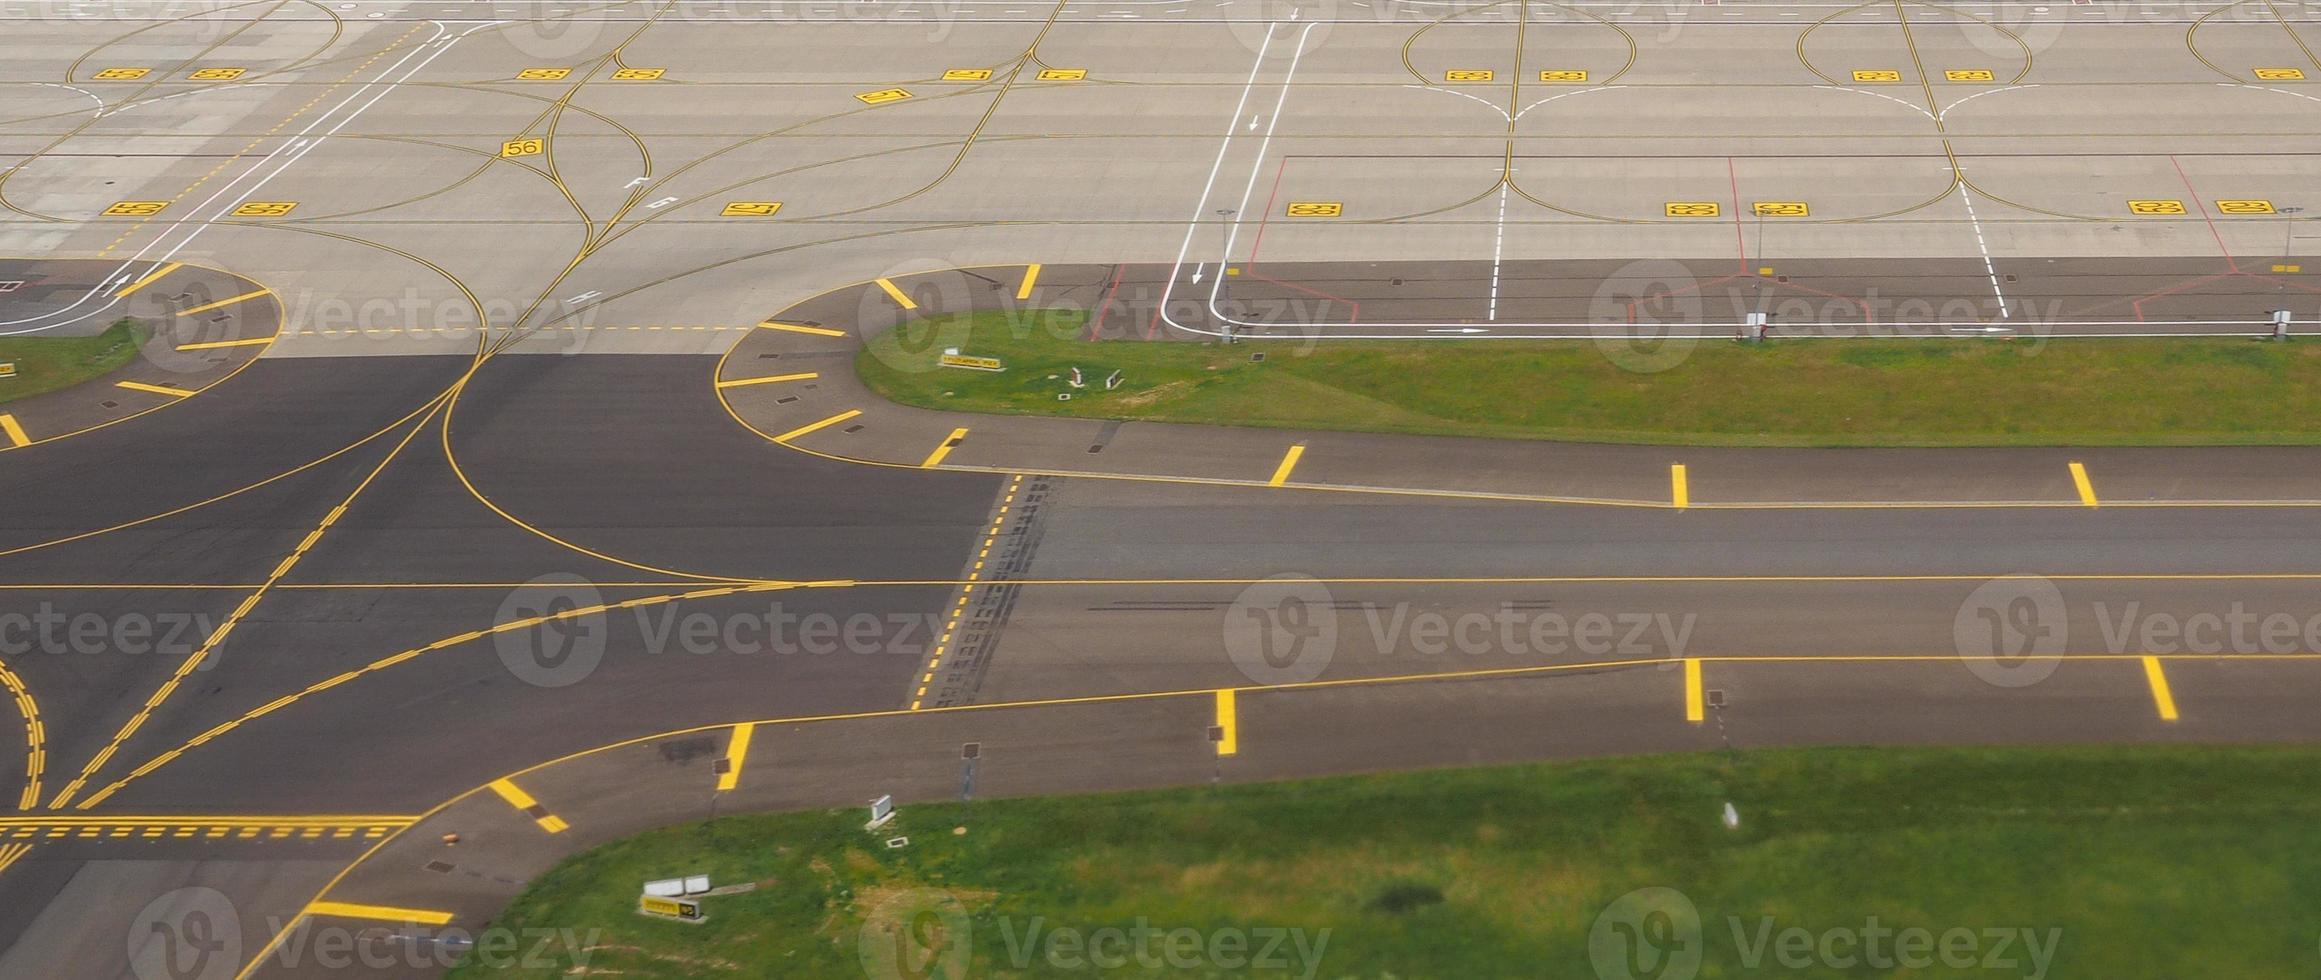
x=482 y=546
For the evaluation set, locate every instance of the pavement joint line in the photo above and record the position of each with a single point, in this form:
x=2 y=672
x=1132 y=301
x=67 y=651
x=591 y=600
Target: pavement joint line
x=802 y=328
x=769 y=379
x=382 y=913
x=525 y=804
x=1031 y=276
x=153 y=277
x=1693 y=702
x=2080 y=481
x=813 y=427
x=736 y=753
x=2163 y=698
x=13 y=431
x=1680 y=487
x=896 y=293
x=154 y=389
x=1228 y=723
x=1289 y=462
x=229 y=301
x=944 y=448
x=221 y=344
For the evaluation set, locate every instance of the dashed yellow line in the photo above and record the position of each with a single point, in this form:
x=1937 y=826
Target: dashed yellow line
x=13 y=431
x=944 y=448
x=156 y=276
x=2163 y=699
x=1695 y=709
x=523 y=801
x=223 y=303
x=1031 y=275
x=1679 y=486
x=802 y=328
x=771 y=379
x=382 y=913
x=1289 y=463
x=736 y=753
x=813 y=427
x=895 y=293
x=155 y=389
x=218 y=344
x=1228 y=723
x=2079 y=479
x=966 y=591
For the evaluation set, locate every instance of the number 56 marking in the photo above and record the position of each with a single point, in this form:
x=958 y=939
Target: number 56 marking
x=530 y=146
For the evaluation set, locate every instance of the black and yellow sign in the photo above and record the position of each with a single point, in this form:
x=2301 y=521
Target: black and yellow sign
x=122 y=74
x=265 y=209
x=1315 y=209
x=1877 y=75
x=882 y=96
x=1564 y=75
x=967 y=75
x=543 y=74
x=2245 y=207
x=1970 y=75
x=2156 y=207
x=217 y=74
x=971 y=362
x=1779 y=209
x=751 y=209
x=639 y=74
x=1468 y=75
x=670 y=908
x=1063 y=74
x=1694 y=209
x=2281 y=74
x=136 y=209
x=530 y=146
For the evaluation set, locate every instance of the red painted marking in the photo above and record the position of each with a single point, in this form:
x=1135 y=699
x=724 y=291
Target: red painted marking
x=2229 y=261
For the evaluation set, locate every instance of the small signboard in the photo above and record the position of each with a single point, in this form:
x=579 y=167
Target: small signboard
x=7 y=369
x=971 y=362
x=881 y=811
x=670 y=908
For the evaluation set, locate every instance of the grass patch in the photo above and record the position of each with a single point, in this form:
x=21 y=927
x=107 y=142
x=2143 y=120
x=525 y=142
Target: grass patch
x=1782 y=393
x=2151 y=861
x=45 y=364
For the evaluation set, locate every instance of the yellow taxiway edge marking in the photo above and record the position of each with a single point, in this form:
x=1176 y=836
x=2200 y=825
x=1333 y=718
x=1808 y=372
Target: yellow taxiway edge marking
x=736 y=752
x=1289 y=461
x=10 y=853
x=156 y=389
x=770 y=379
x=901 y=298
x=2162 y=698
x=1679 y=486
x=383 y=913
x=1031 y=274
x=802 y=328
x=944 y=449
x=817 y=426
x=1228 y=723
x=150 y=279
x=523 y=801
x=14 y=432
x=1693 y=709
x=216 y=344
x=2086 y=489
x=223 y=303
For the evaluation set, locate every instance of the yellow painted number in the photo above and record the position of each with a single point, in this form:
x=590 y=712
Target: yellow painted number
x=1315 y=209
x=2281 y=74
x=639 y=74
x=1063 y=74
x=1970 y=75
x=1468 y=75
x=967 y=75
x=1564 y=75
x=2156 y=207
x=265 y=209
x=543 y=74
x=1693 y=209
x=883 y=95
x=1877 y=75
x=216 y=74
x=752 y=209
x=122 y=74
x=136 y=209
x=2245 y=207
x=1780 y=209
x=530 y=146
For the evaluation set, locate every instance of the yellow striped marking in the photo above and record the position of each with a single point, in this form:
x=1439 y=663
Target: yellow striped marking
x=521 y=800
x=802 y=328
x=1289 y=462
x=944 y=449
x=1679 y=486
x=1031 y=275
x=769 y=379
x=150 y=279
x=383 y=913
x=2086 y=489
x=1228 y=723
x=895 y=293
x=223 y=303
x=1694 y=710
x=217 y=344
x=817 y=426
x=2162 y=698
x=14 y=432
x=736 y=752
x=9 y=854
x=156 y=389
